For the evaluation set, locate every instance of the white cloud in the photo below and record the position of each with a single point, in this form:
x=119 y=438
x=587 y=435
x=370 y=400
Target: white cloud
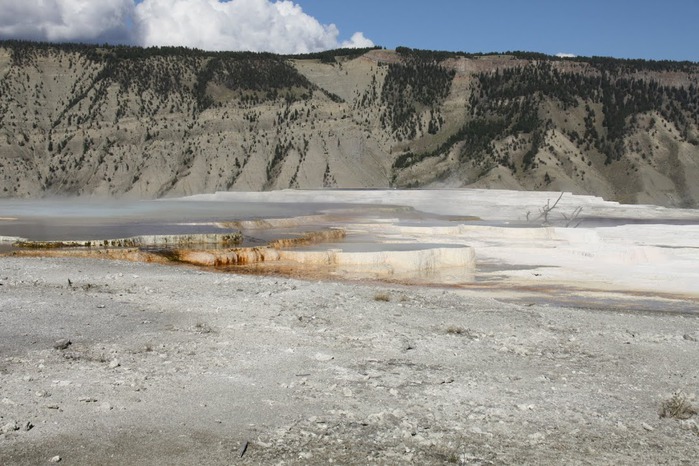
x=66 y=20
x=258 y=25
x=566 y=55
x=357 y=41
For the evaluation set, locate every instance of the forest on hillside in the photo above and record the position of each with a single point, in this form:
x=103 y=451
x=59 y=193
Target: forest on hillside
x=76 y=118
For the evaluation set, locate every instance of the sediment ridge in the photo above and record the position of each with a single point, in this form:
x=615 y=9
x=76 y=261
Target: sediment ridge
x=136 y=241
x=183 y=249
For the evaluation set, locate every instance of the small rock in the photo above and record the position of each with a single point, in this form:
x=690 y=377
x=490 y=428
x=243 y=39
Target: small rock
x=347 y=392
x=407 y=345
x=87 y=399
x=55 y=459
x=62 y=344
x=689 y=337
x=324 y=357
x=101 y=306
x=114 y=363
x=9 y=427
x=104 y=408
x=647 y=427
x=690 y=424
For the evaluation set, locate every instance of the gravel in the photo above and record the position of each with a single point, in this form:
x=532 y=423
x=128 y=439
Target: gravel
x=175 y=365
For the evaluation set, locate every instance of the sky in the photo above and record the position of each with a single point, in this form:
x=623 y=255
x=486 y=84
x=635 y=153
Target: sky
x=647 y=29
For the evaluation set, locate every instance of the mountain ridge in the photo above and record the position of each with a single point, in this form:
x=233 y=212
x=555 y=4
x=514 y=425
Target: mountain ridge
x=144 y=123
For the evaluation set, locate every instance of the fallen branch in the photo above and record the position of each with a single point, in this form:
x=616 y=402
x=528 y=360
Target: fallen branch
x=545 y=213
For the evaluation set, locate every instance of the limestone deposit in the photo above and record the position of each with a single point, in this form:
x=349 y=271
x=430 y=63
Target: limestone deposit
x=420 y=263
x=437 y=327
x=477 y=239
x=134 y=241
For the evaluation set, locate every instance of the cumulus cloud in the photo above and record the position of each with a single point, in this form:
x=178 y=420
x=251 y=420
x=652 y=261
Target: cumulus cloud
x=357 y=41
x=66 y=20
x=257 y=25
x=566 y=55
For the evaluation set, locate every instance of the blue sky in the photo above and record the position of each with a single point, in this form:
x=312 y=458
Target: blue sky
x=648 y=29
x=617 y=28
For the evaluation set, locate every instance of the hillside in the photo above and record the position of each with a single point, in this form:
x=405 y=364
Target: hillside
x=145 y=123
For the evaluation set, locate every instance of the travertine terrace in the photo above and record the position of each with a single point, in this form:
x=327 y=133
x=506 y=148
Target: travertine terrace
x=524 y=344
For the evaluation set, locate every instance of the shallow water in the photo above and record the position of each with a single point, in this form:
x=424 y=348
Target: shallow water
x=79 y=219
x=365 y=246
x=639 y=256
x=594 y=222
x=63 y=220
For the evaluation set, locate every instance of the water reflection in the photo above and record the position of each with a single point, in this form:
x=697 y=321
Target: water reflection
x=63 y=220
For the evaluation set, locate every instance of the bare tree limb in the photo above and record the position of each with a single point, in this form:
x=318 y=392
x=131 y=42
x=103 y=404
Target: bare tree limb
x=545 y=211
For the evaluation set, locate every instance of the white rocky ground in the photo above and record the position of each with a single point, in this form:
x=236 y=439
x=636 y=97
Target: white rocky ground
x=608 y=247
x=179 y=365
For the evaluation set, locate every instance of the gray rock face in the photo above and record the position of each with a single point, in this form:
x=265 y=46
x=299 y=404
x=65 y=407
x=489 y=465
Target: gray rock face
x=145 y=124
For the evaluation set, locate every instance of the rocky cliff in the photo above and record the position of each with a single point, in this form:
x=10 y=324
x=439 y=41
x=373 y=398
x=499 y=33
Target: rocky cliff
x=145 y=123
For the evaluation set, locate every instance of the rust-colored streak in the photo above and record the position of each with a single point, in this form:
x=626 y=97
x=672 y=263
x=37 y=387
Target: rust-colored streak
x=126 y=254
x=182 y=252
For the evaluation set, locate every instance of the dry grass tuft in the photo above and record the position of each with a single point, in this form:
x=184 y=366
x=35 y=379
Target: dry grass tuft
x=385 y=297
x=678 y=406
x=202 y=328
x=85 y=355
